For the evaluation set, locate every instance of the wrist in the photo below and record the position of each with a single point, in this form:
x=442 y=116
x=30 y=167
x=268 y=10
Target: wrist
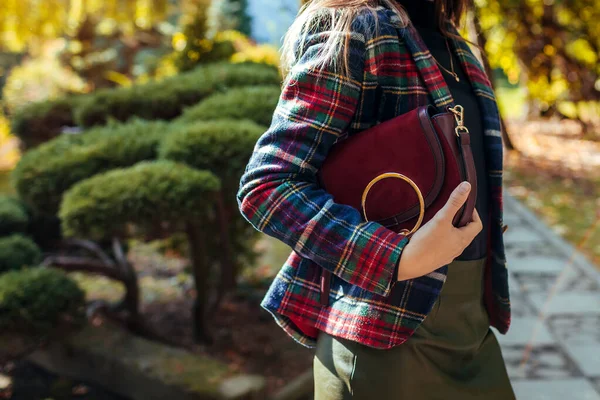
x=414 y=263
x=404 y=263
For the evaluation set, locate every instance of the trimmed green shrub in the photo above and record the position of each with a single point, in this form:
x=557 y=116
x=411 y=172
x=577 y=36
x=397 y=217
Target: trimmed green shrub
x=34 y=301
x=166 y=99
x=13 y=216
x=44 y=173
x=16 y=217
x=222 y=147
x=17 y=251
x=145 y=194
x=254 y=103
x=39 y=122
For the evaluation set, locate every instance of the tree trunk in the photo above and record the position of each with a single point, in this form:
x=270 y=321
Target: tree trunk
x=131 y=301
x=227 y=273
x=107 y=268
x=201 y=271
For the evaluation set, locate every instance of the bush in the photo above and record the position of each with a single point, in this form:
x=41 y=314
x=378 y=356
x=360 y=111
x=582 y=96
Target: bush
x=33 y=301
x=13 y=216
x=222 y=147
x=166 y=99
x=145 y=194
x=16 y=217
x=39 y=122
x=44 y=173
x=17 y=251
x=255 y=103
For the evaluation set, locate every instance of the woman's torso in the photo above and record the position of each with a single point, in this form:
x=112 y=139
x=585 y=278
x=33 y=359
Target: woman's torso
x=423 y=17
x=393 y=84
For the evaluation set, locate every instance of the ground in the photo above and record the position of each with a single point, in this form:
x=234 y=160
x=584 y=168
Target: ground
x=32 y=383
x=552 y=348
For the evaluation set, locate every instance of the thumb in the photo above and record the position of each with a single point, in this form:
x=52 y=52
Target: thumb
x=457 y=198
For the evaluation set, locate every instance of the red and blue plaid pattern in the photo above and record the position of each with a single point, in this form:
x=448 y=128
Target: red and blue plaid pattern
x=391 y=72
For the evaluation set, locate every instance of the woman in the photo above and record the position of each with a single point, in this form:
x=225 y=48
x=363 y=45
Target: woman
x=404 y=318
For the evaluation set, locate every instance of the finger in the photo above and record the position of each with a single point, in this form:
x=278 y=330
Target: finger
x=476 y=217
x=457 y=198
x=472 y=228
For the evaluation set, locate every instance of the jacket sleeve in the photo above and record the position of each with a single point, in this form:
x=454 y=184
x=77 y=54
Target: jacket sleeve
x=279 y=193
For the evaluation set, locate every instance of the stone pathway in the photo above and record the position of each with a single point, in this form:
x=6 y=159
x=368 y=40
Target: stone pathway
x=552 y=349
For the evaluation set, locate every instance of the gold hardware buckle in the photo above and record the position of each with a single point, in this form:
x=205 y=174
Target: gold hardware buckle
x=414 y=186
x=459 y=114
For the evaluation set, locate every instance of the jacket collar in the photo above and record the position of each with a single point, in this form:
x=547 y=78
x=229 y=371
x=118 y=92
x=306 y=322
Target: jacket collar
x=429 y=69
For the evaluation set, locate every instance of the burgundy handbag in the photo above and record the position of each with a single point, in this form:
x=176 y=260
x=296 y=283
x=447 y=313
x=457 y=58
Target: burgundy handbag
x=401 y=172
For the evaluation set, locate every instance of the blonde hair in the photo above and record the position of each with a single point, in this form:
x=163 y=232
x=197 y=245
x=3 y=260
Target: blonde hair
x=339 y=15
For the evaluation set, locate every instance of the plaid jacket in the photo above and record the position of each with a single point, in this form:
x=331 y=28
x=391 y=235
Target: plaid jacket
x=391 y=72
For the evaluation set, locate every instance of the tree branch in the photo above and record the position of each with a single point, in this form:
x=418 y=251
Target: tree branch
x=84 y=264
x=92 y=248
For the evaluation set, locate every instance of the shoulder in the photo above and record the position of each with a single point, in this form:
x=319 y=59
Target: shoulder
x=376 y=21
x=383 y=32
x=368 y=24
x=372 y=34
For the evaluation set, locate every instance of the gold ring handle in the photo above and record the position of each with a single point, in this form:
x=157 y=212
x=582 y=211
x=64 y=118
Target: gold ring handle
x=404 y=178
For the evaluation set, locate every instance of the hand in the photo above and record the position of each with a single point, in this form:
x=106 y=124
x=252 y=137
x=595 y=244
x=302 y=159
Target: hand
x=439 y=242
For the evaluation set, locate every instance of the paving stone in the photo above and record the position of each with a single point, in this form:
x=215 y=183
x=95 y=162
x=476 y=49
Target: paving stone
x=566 y=302
x=586 y=357
x=521 y=306
x=513 y=284
x=527 y=330
x=535 y=263
x=596 y=383
x=533 y=249
x=541 y=362
x=512 y=220
x=570 y=279
x=580 y=336
x=576 y=329
x=556 y=389
x=564 y=360
x=521 y=235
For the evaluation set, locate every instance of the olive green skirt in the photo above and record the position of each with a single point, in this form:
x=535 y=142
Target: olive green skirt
x=452 y=355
